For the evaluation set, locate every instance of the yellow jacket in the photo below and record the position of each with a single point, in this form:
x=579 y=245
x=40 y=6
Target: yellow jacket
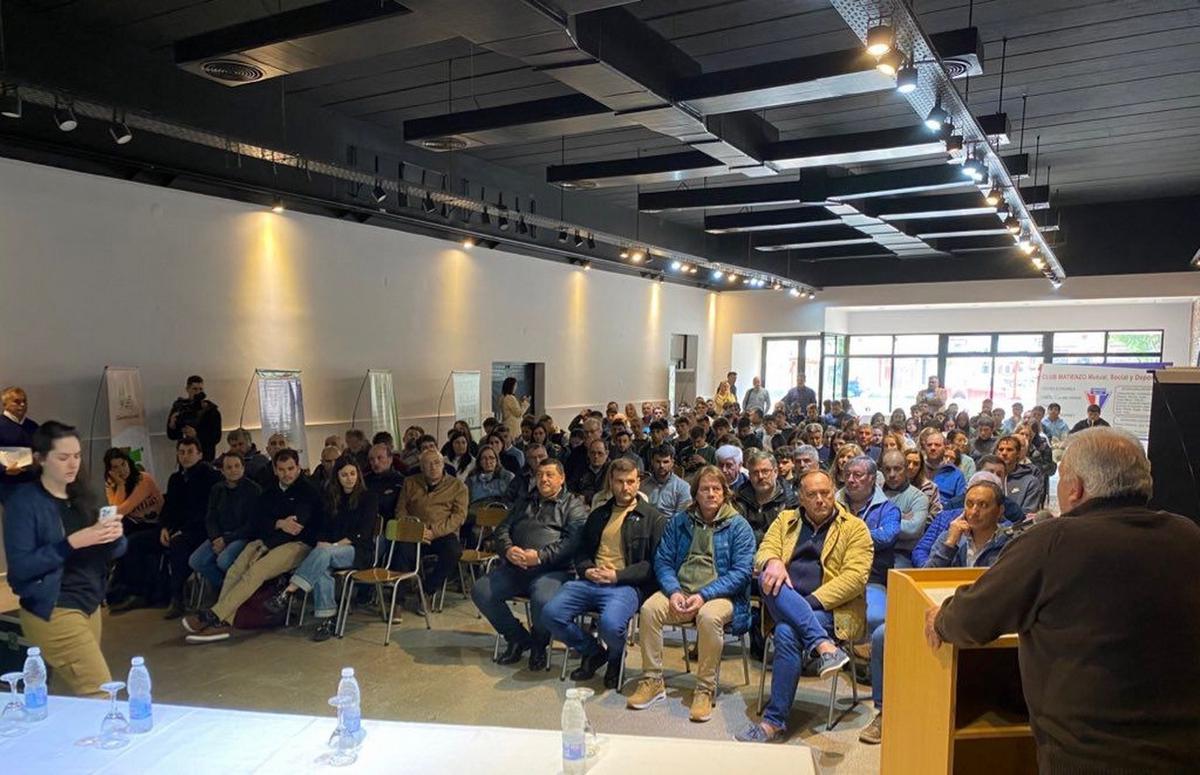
x=845 y=564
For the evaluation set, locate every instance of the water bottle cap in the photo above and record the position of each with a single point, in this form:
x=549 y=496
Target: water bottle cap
x=347 y=672
x=137 y=661
x=572 y=694
x=34 y=651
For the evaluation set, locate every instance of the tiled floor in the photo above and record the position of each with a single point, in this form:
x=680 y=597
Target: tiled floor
x=446 y=675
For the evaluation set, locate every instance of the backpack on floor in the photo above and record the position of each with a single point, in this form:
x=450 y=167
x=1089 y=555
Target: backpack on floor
x=253 y=614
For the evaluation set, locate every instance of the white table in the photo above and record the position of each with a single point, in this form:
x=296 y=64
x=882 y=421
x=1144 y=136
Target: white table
x=191 y=741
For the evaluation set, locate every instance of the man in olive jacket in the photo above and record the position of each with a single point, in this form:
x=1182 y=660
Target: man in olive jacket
x=1105 y=602
x=536 y=545
x=615 y=565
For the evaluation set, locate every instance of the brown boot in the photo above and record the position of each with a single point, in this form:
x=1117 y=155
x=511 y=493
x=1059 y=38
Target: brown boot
x=648 y=692
x=702 y=702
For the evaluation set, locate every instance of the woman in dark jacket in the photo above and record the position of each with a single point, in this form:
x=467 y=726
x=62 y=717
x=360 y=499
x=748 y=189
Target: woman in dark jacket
x=347 y=540
x=58 y=554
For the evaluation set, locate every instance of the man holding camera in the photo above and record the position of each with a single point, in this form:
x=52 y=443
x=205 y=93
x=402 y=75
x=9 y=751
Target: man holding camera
x=193 y=415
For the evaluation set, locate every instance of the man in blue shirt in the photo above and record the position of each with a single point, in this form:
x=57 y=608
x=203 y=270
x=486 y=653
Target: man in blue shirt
x=665 y=490
x=949 y=480
x=1056 y=427
x=800 y=396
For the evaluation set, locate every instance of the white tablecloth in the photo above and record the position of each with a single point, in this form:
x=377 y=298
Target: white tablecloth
x=190 y=741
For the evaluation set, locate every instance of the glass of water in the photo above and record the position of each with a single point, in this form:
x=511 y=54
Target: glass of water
x=341 y=741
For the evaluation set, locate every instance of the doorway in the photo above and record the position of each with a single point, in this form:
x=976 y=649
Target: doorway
x=526 y=375
x=784 y=357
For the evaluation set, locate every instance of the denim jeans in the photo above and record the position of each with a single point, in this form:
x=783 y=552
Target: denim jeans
x=492 y=593
x=617 y=605
x=877 y=666
x=876 y=605
x=314 y=576
x=212 y=566
x=798 y=629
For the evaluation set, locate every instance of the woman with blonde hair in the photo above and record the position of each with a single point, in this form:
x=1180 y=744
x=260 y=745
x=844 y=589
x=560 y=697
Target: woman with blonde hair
x=723 y=397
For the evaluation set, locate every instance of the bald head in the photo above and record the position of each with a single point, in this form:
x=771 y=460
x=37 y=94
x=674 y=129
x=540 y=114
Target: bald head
x=1101 y=463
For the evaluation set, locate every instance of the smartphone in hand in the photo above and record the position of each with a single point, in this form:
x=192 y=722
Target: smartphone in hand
x=108 y=512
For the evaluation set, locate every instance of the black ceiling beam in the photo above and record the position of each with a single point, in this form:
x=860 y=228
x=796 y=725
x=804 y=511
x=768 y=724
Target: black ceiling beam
x=984 y=242
x=269 y=43
x=768 y=220
x=810 y=78
x=785 y=192
x=661 y=168
x=552 y=117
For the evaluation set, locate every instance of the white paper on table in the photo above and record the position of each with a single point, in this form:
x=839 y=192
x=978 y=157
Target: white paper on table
x=20 y=457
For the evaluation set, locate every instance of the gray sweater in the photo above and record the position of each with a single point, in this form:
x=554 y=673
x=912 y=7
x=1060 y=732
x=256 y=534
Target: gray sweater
x=914 y=514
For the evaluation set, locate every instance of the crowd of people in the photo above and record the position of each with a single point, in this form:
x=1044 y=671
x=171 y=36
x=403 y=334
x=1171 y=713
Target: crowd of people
x=731 y=517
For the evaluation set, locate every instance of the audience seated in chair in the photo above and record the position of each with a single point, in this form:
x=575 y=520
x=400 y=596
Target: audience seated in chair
x=345 y=539
x=138 y=500
x=536 y=545
x=814 y=563
x=703 y=567
x=229 y=522
x=440 y=501
x=664 y=489
x=287 y=523
x=615 y=566
x=185 y=510
x=489 y=481
x=383 y=480
x=762 y=497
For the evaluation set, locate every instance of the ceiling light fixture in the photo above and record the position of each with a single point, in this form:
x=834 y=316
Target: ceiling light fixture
x=119 y=131
x=994 y=197
x=794 y=292
x=907 y=78
x=812 y=294
x=717 y=274
x=1012 y=224
x=624 y=252
x=485 y=218
x=379 y=192
x=879 y=39
x=10 y=101
x=937 y=116
x=468 y=243
x=890 y=63
x=637 y=255
x=591 y=241
x=277 y=205
x=676 y=265
x=64 y=116
x=522 y=227
x=562 y=233
x=427 y=204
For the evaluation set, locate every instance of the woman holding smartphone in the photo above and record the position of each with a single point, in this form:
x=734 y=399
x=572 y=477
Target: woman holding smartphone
x=58 y=554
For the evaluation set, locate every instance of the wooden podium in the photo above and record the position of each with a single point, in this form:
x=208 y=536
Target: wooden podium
x=959 y=710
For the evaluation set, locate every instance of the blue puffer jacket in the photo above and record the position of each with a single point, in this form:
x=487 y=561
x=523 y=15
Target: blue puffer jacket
x=883 y=520
x=733 y=547
x=36 y=547
x=952 y=487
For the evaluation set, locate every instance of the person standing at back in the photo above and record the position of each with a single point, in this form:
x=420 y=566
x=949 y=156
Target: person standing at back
x=195 y=416
x=512 y=409
x=16 y=430
x=1107 y=608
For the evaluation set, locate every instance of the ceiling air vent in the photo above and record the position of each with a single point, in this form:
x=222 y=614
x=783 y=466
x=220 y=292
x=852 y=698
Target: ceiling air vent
x=443 y=144
x=232 y=71
x=957 y=68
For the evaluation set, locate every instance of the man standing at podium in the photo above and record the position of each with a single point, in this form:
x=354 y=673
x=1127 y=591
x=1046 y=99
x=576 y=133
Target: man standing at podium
x=1107 y=608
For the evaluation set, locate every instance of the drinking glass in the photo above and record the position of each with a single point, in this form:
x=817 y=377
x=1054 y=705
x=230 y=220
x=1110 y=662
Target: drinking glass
x=341 y=741
x=589 y=733
x=13 y=718
x=114 y=729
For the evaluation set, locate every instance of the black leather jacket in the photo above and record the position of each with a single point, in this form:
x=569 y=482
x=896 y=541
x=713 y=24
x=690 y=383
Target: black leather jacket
x=761 y=516
x=552 y=526
x=640 y=533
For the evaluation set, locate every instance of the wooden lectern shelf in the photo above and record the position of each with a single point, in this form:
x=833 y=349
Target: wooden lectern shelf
x=956 y=710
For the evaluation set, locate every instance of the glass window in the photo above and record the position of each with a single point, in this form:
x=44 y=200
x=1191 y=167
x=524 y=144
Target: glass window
x=1133 y=358
x=1079 y=359
x=917 y=344
x=835 y=344
x=910 y=375
x=831 y=386
x=779 y=367
x=969 y=380
x=1020 y=343
x=870 y=345
x=870 y=381
x=1079 y=342
x=1135 y=342
x=966 y=343
x=1016 y=379
x=811 y=365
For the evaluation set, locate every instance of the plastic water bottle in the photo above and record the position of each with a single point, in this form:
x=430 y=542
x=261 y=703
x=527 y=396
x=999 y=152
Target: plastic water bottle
x=352 y=711
x=141 y=710
x=35 y=685
x=574 y=741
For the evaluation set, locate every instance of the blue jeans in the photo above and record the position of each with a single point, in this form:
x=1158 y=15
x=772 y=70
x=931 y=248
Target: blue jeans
x=877 y=666
x=314 y=576
x=798 y=629
x=617 y=605
x=492 y=593
x=876 y=605
x=212 y=566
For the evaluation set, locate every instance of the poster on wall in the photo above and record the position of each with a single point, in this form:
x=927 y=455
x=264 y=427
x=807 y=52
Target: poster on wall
x=1122 y=394
x=383 y=401
x=127 y=414
x=466 y=397
x=672 y=399
x=281 y=407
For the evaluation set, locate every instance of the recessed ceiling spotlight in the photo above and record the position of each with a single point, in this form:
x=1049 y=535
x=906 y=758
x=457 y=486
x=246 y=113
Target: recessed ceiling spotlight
x=879 y=39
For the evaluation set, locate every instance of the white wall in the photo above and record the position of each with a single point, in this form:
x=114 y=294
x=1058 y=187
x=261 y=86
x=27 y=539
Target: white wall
x=95 y=271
